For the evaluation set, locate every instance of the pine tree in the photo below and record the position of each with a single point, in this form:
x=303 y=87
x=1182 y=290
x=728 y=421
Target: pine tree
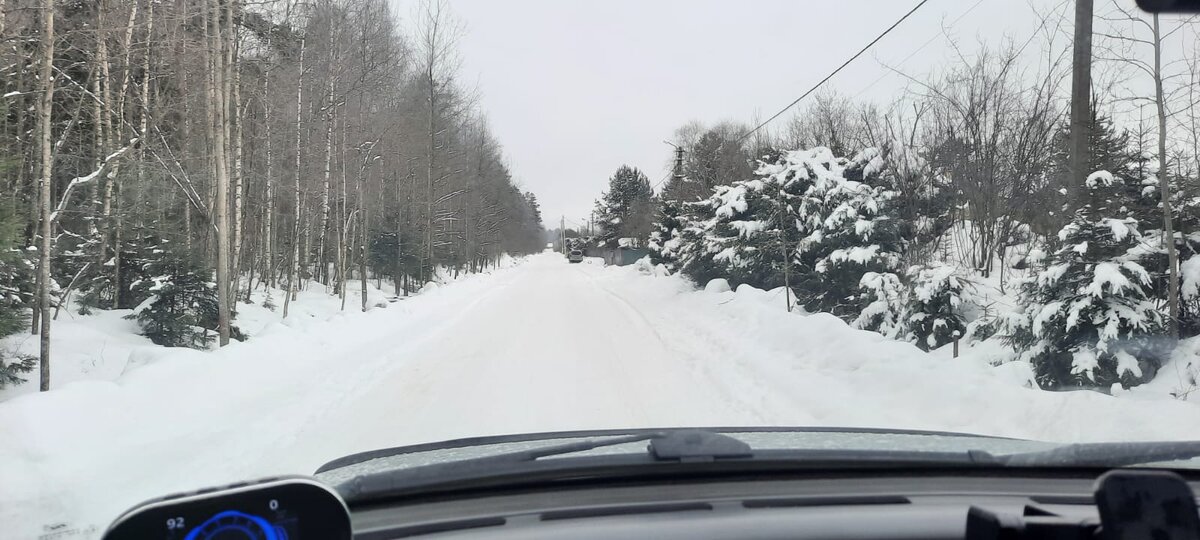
x=626 y=209
x=1089 y=317
x=934 y=314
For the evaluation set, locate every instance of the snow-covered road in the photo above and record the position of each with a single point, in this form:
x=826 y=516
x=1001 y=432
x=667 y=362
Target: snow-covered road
x=539 y=347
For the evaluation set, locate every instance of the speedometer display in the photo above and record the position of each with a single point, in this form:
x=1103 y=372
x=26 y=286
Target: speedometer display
x=294 y=508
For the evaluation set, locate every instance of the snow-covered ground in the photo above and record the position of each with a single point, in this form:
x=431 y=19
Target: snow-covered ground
x=541 y=346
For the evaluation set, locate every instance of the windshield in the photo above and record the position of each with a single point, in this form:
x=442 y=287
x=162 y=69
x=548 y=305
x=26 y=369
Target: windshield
x=246 y=238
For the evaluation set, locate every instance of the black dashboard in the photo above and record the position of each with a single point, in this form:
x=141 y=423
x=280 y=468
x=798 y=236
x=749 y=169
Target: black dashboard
x=875 y=505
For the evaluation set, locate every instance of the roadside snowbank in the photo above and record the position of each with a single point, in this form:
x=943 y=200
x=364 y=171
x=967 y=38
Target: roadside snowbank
x=175 y=418
x=104 y=345
x=822 y=372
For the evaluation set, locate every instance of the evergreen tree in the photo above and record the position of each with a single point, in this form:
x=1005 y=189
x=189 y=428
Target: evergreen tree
x=15 y=278
x=934 y=314
x=178 y=299
x=1088 y=317
x=626 y=209
x=848 y=234
x=686 y=251
x=534 y=207
x=1113 y=150
x=668 y=226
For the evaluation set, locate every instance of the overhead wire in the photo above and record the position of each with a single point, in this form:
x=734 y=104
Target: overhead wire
x=834 y=72
x=921 y=48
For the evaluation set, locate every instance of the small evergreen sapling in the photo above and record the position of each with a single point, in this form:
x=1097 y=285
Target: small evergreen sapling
x=934 y=313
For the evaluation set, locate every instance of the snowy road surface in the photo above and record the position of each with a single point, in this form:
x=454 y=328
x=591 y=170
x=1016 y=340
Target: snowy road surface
x=543 y=346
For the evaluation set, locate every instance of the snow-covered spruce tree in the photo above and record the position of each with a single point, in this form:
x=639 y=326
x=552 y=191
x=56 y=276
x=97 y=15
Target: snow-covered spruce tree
x=177 y=298
x=848 y=236
x=1088 y=318
x=687 y=246
x=744 y=232
x=15 y=278
x=671 y=220
x=934 y=314
x=626 y=209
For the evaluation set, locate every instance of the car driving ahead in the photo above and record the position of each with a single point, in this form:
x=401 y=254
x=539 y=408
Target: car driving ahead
x=575 y=256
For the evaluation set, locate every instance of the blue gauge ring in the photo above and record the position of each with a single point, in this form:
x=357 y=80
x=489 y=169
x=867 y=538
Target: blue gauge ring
x=232 y=521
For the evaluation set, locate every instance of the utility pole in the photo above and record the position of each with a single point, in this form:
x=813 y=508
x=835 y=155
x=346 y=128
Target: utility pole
x=678 y=163
x=1081 y=95
x=562 y=233
x=677 y=172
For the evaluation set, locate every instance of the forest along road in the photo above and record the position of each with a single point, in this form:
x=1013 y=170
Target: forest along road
x=549 y=348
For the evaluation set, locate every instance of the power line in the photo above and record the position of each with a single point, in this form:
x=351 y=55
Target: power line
x=921 y=48
x=835 y=72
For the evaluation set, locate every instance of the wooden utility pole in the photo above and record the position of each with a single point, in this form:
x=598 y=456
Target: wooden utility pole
x=562 y=233
x=1081 y=95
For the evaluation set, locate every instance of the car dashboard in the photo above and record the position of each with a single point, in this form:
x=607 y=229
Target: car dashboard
x=930 y=504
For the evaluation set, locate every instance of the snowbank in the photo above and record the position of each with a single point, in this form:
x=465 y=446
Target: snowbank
x=822 y=372
x=157 y=420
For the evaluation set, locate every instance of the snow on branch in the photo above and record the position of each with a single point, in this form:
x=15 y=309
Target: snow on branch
x=78 y=181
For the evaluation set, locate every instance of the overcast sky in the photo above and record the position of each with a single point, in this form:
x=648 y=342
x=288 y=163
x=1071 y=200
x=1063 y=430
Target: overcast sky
x=575 y=88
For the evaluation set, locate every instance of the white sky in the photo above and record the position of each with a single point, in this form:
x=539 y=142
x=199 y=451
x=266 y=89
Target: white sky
x=575 y=88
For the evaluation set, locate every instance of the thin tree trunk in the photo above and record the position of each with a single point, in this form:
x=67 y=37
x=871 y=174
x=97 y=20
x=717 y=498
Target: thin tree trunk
x=362 y=228
x=143 y=121
x=399 y=228
x=111 y=187
x=43 y=113
x=322 y=267
x=269 y=217
x=342 y=238
x=238 y=218
x=1165 y=188
x=294 y=272
x=218 y=130
x=428 y=267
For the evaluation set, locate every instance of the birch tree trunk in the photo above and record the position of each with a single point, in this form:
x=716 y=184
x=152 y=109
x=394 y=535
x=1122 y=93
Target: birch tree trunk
x=343 y=217
x=269 y=217
x=294 y=272
x=43 y=125
x=217 y=131
x=322 y=267
x=238 y=218
x=144 y=120
x=362 y=228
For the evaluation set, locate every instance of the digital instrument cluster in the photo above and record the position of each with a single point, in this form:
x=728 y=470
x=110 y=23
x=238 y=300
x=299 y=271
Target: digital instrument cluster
x=291 y=508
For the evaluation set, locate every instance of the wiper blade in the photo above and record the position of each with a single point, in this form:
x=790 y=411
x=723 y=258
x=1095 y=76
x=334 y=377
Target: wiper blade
x=394 y=481
x=671 y=453
x=1115 y=454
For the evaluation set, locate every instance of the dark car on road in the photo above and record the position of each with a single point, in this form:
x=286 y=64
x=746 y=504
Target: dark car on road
x=575 y=256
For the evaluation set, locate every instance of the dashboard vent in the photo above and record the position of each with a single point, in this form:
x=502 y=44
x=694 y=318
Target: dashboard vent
x=1063 y=499
x=602 y=511
x=430 y=528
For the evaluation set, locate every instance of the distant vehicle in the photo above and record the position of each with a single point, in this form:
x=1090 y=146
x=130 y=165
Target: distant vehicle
x=575 y=256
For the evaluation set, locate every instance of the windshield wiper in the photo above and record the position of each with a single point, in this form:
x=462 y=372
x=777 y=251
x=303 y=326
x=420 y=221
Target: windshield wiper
x=675 y=453
x=1114 y=454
